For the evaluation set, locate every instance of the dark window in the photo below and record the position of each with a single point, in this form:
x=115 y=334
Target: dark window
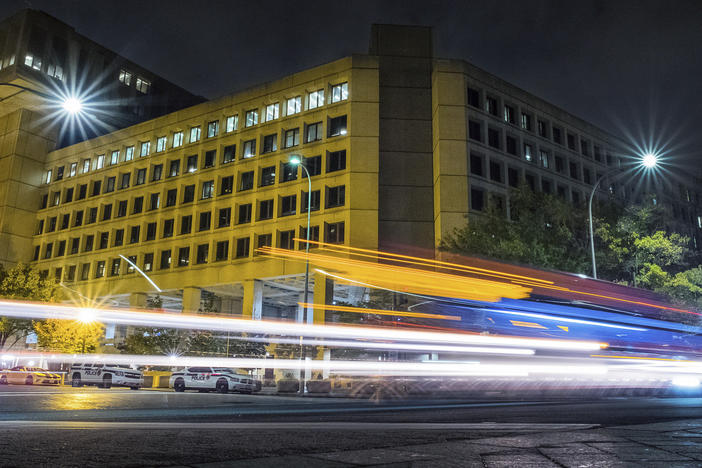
x=473 y=97
x=314 y=132
x=141 y=176
x=118 y=237
x=65 y=221
x=526 y=121
x=227 y=185
x=92 y=215
x=477 y=199
x=78 y=218
x=183 y=256
x=292 y=137
x=168 y=228
x=191 y=165
x=59 y=173
x=264 y=240
x=598 y=154
x=156 y=172
x=171 y=197
x=56 y=199
x=121 y=208
x=247 y=181
x=242 y=247
x=289 y=172
x=491 y=105
x=44 y=201
x=561 y=191
x=71 y=273
x=542 y=128
x=267 y=176
x=336 y=161
x=88 y=244
x=124 y=180
x=96 y=188
x=270 y=143
x=560 y=164
x=84 y=271
x=509 y=114
x=210 y=157
x=134 y=234
x=104 y=240
x=40 y=227
x=148 y=262
x=337 y=126
x=495 y=171
x=334 y=233
x=69 y=195
x=314 y=202
x=174 y=168
x=37 y=249
x=571 y=141
x=474 y=130
x=476 y=164
x=82 y=190
x=224 y=217
x=100 y=269
x=52 y=224
x=546 y=186
x=494 y=138
x=186 y=224
x=557 y=135
x=229 y=154
x=531 y=181
x=61 y=249
x=203 y=253
x=188 y=193
x=335 y=196
x=314 y=236
x=288 y=205
x=286 y=241
x=511 y=145
x=205 y=220
x=314 y=164
x=222 y=251
x=110 y=185
x=587 y=176
x=165 y=259
x=584 y=149
x=138 y=205
x=244 y=214
x=154 y=201
x=265 y=210
x=106 y=212
x=574 y=171
x=150 y=231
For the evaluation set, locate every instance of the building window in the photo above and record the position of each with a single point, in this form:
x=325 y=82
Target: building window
x=251 y=118
x=244 y=214
x=171 y=197
x=106 y=212
x=335 y=196
x=587 y=176
x=264 y=240
x=285 y=240
x=526 y=121
x=177 y=139
x=86 y=165
x=511 y=145
x=128 y=153
x=165 y=259
x=49 y=249
x=174 y=168
x=208 y=189
x=242 y=247
x=270 y=143
x=183 y=256
x=584 y=148
x=495 y=171
x=272 y=112
x=227 y=185
x=124 y=180
x=114 y=158
x=125 y=77
x=293 y=105
x=314 y=203
x=205 y=221
x=100 y=269
x=222 y=251
x=598 y=154
x=528 y=155
x=52 y=224
x=160 y=144
x=69 y=195
x=509 y=114
x=543 y=155
x=265 y=210
x=267 y=176
x=109 y=186
x=336 y=161
x=337 y=126
x=59 y=173
x=473 y=97
x=491 y=105
x=288 y=172
x=476 y=165
x=154 y=201
x=574 y=171
x=143 y=85
x=249 y=149
x=210 y=157
x=314 y=132
x=156 y=172
x=542 y=128
x=130 y=264
x=232 y=123
x=104 y=240
x=292 y=138
x=71 y=274
x=100 y=162
x=315 y=99
x=314 y=236
x=571 y=141
x=138 y=205
x=224 y=217
x=191 y=163
x=85 y=271
x=88 y=244
x=288 y=205
x=77 y=219
x=340 y=92
x=186 y=224
x=118 y=238
x=560 y=164
x=557 y=135
x=148 y=262
x=213 y=129
x=494 y=138
x=477 y=199
x=150 y=231
x=121 y=208
x=188 y=193
x=92 y=215
x=194 y=134
x=247 y=181
x=145 y=149
x=334 y=233
x=228 y=154
x=203 y=254
x=168 y=227
x=134 y=234
x=545 y=186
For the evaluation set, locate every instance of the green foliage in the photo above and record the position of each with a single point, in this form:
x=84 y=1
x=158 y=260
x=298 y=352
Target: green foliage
x=66 y=336
x=150 y=340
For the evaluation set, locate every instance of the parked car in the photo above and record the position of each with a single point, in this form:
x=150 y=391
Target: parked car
x=106 y=376
x=22 y=375
x=208 y=379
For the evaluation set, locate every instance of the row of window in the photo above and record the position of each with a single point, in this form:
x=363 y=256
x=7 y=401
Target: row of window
x=335 y=161
x=333 y=233
x=265 y=209
x=141 y=84
x=290 y=138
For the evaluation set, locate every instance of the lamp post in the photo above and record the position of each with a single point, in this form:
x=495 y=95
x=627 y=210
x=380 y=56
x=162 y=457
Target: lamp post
x=296 y=160
x=70 y=104
x=648 y=161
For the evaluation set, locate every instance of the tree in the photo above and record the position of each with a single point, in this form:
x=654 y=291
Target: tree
x=67 y=336
x=22 y=282
x=151 y=340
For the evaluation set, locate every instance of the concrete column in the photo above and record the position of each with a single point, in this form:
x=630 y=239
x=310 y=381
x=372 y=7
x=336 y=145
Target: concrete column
x=253 y=299
x=137 y=300
x=323 y=294
x=191 y=299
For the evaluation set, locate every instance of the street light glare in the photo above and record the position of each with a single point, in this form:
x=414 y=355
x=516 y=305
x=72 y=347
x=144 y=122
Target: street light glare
x=295 y=160
x=649 y=160
x=72 y=105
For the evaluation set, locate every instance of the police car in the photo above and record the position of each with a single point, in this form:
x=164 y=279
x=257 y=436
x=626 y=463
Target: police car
x=105 y=376
x=208 y=379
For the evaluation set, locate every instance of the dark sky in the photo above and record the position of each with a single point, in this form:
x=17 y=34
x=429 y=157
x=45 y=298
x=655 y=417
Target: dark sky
x=630 y=67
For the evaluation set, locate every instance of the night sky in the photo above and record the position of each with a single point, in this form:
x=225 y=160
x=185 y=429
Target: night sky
x=630 y=67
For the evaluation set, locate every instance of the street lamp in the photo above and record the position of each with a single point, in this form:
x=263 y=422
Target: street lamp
x=296 y=160
x=72 y=105
x=648 y=161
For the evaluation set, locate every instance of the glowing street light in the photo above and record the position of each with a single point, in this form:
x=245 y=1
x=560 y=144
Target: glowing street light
x=72 y=105
x=649 y=161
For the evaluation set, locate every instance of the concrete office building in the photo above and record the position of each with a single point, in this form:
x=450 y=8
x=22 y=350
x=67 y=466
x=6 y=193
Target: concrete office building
x=402 y=148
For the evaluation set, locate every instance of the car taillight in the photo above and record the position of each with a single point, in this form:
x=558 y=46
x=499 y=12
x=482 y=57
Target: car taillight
x=215 y=375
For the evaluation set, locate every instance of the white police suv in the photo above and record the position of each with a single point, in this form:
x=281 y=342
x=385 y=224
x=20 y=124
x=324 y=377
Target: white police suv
x=105 y=375
x=208 y=379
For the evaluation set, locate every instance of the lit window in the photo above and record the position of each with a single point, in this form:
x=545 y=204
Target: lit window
x=208 y=189
x=249 y=148
x=145 y=149
x=74 y=169
x=48 y=176
x=177 y=139
x=213 y=129
x=161 y=144
x=100 y=163
x=527 y=152
x=292 y=137
x=544 y=159
x=294 y=105
x=232 y=123
x=314 y=132
x=340 y=92
x=114 y=158
x=32 y=61
x=315 y=99
x=129 y=153
x=125 y=77
x=337 y=126
x=55 y=71
x=699 y=222
x=272 y=112
x=142 y=85
x=86 y=165
x=194 y=134
x=252 y=117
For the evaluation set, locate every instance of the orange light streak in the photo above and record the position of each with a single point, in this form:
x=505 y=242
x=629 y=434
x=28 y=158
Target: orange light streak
x=359 y=310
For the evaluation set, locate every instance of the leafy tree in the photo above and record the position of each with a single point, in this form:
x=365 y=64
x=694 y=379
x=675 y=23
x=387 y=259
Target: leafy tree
x=68 y=336
x=152 y=340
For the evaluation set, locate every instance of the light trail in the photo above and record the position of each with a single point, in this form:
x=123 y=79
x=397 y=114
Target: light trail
x=360 y=310
x=563 y=319
x=20 y=309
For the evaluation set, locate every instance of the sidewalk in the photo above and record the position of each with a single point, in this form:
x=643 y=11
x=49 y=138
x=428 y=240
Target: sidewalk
x=665 y=445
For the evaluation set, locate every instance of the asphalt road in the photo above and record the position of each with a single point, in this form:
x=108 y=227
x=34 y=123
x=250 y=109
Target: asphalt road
x=66 y=426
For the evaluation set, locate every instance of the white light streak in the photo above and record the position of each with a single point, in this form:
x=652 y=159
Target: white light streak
x=564 y=319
